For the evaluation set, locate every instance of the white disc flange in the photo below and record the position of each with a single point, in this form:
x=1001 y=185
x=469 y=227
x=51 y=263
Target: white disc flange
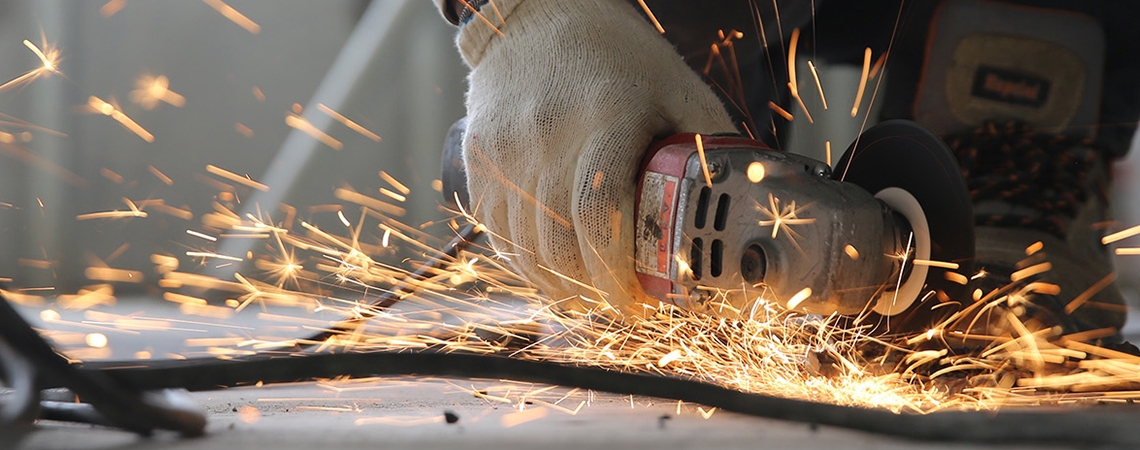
x=906 y=291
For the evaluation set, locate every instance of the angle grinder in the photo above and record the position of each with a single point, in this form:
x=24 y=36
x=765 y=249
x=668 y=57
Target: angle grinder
x=725 y=220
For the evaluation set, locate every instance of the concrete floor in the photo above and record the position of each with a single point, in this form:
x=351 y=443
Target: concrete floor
x=398 y=414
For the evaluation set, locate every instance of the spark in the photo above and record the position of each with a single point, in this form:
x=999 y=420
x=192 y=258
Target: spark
x=396 y=184
x=109 y=274
x=827 y=152
x=851 y=251
x=96 y=340
x=300 y=123
x=202 y=235
x=49 y=60
x=111 y=175
x=116 y=214
x=793 y=81
x=652 y=18
x=704 y=163
x=234 y=15
x=781 y=111
x=956 y=277
x=243 y=129
x=112 y=7
x=939 y=264
x=348 y=122
x=482 y=17
x=782 y=218
x=111 y=110
x=1031 y=271
x=862 y=82
x=213 y=255
x=755 y=172
x=1089 y=293
x=799 y=297
x=150 y=90
x=244 y=181
x=818 y=85
x=160 y=175
x=1034 y=248
x=351 y=196
x=1120 y=235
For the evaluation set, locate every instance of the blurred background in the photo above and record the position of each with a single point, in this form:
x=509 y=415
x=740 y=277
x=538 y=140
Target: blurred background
x=250 y=75
x=398 y=77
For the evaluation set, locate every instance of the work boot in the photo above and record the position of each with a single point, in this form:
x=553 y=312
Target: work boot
x=1040 y=204
x=1015 y=92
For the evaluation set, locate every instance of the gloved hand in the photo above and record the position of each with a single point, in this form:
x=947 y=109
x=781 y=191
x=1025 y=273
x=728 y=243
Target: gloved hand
x=561 y=109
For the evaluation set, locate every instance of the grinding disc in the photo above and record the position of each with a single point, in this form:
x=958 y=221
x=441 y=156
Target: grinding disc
x=900 y=155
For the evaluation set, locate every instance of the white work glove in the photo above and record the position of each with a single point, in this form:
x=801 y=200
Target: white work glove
x=560 y=111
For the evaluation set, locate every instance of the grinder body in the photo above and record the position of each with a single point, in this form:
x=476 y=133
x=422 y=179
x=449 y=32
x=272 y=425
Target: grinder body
x=775 y=226
x=762 y=224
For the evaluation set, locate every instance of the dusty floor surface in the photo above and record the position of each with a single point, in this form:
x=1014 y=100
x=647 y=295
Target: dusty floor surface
x=412 y=413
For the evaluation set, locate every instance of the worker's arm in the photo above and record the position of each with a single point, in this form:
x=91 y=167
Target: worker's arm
x=564 y=99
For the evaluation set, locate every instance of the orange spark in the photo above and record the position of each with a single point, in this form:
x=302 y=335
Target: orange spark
x=110 y=274
x=818 y=85
x=781 y=111
x=112 y=7
x=305 y=126
x=108 y=109
x=161 y=176
x=395 y=183
x=1119 y=235
x=244 y=181
x=364 y=200
x=230 y=13
x=862 y=82
x=150 y=90
x=704 y=164
x=652 y=18
x=244 y=130
x=939 y=264
x=49 y=58
x=348 y=122
x=793 y=81
x=482 y=17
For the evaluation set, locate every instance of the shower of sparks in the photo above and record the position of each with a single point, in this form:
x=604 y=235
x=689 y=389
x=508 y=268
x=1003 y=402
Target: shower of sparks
x=111 y=110
x=234 y=15
x=151 y=90
x=983 y=356
x=49 y=60
x=998 y=359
